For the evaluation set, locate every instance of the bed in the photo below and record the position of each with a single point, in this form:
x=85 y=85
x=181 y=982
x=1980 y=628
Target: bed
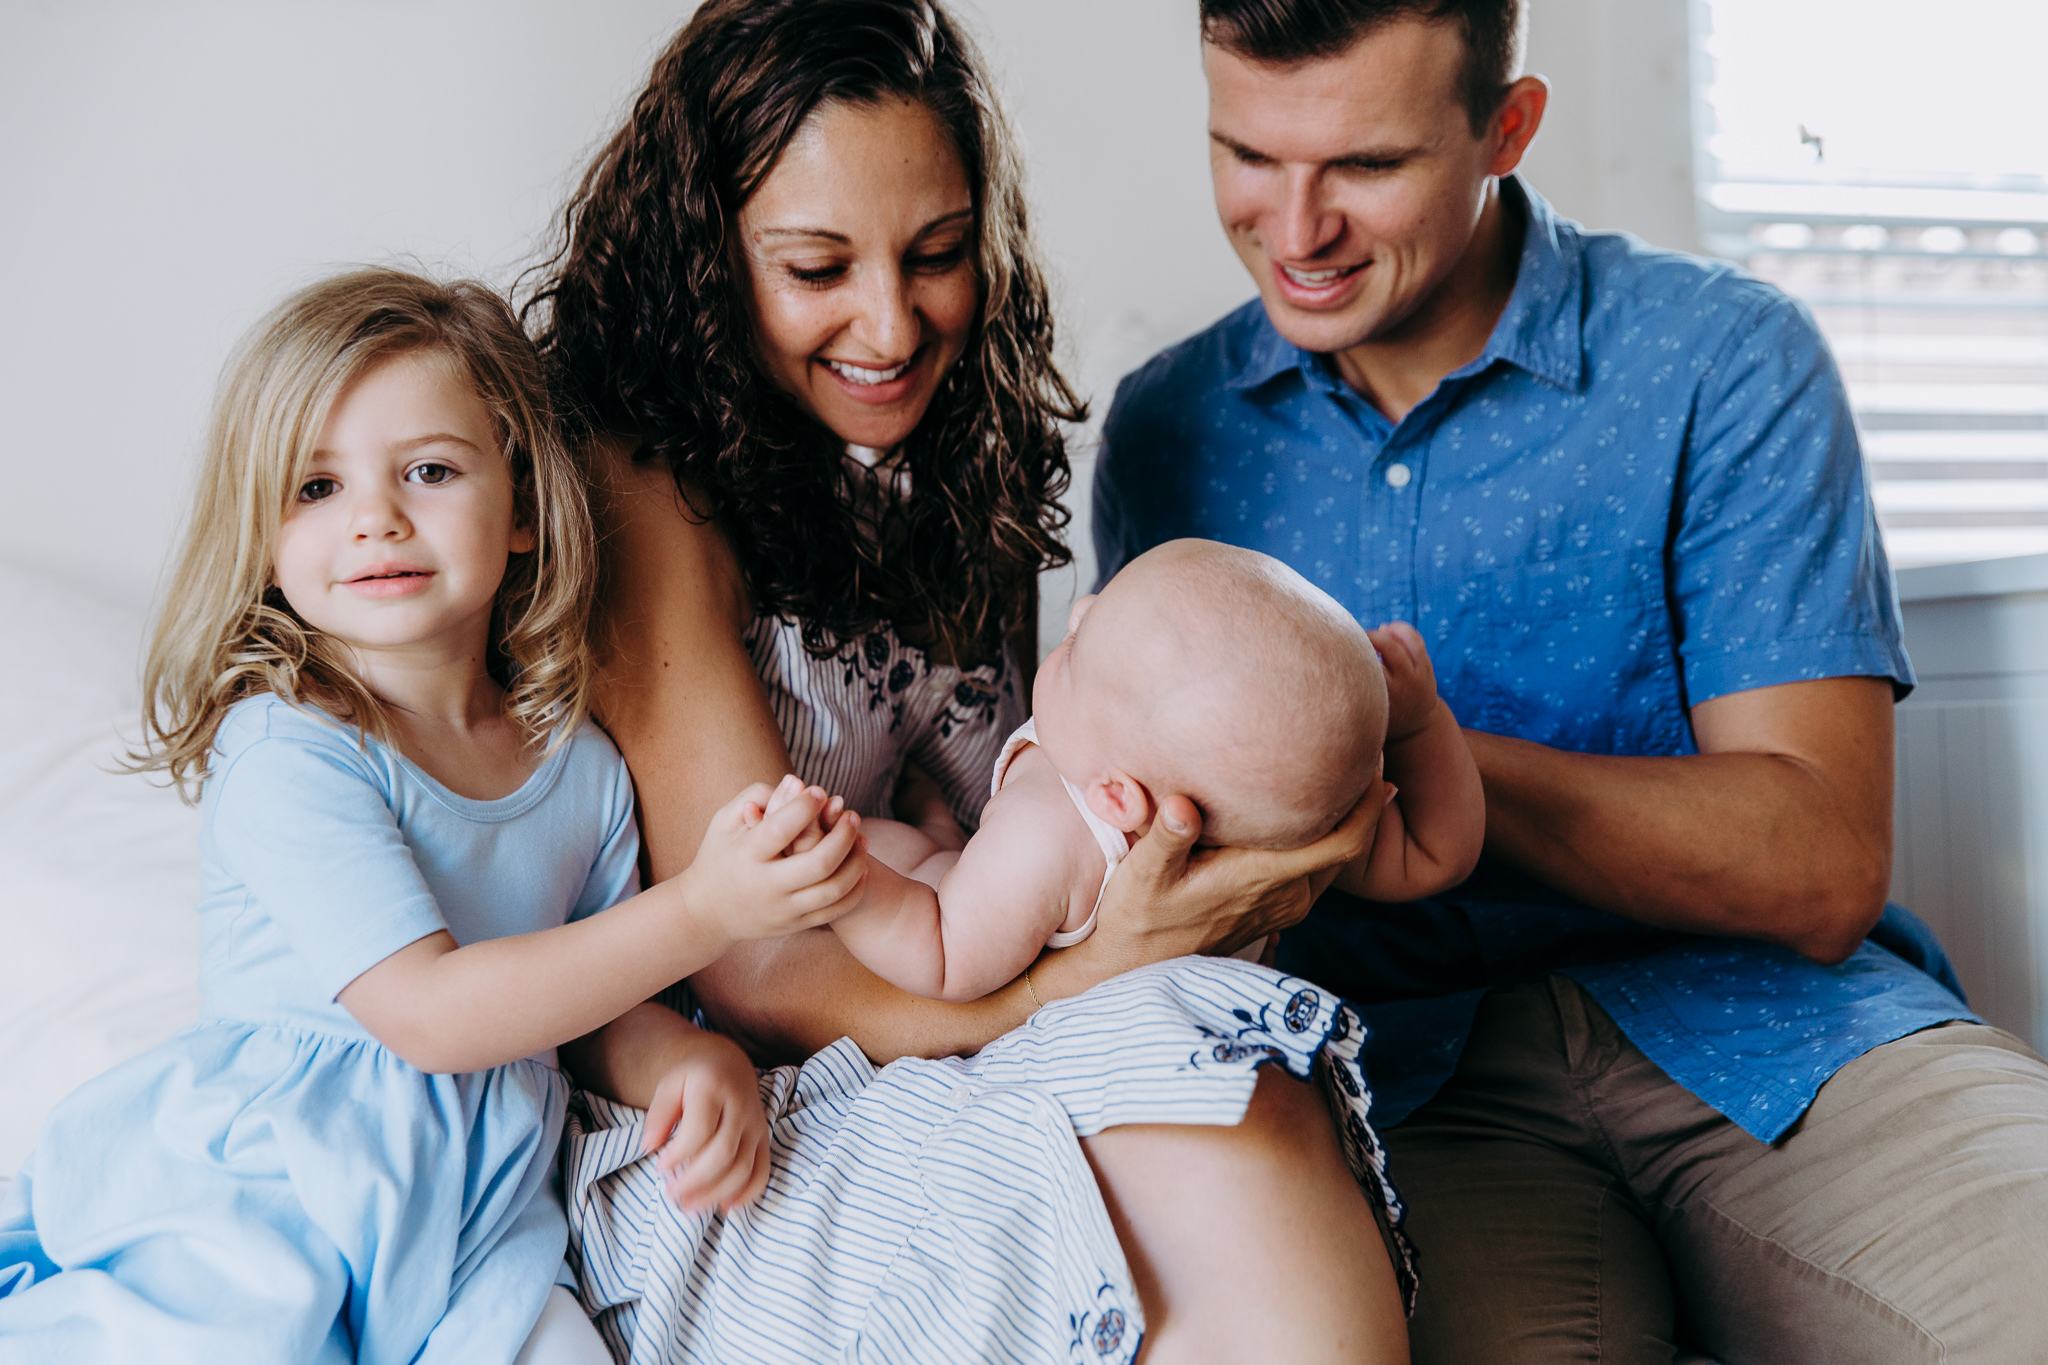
x=98 y=869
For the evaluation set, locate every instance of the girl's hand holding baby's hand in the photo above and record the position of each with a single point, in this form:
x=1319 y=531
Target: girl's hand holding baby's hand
x=760 y=873
x=1411 y=679
x=787 y=791
x=709 y=1130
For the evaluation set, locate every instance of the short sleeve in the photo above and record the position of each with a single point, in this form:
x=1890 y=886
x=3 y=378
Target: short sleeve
x=1110 y=517
x=305 y=827
x=615 y=875
x=1778 y=568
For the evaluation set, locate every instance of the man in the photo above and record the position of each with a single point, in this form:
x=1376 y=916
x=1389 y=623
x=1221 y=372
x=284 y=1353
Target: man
x=1666 y=1068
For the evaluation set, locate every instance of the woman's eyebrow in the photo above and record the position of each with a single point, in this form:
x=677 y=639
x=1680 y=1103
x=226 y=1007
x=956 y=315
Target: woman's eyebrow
x=943 y=220
x=946 y=220
x=827 y=233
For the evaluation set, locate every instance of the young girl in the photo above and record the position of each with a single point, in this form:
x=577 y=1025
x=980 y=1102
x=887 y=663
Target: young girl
x=372 y=662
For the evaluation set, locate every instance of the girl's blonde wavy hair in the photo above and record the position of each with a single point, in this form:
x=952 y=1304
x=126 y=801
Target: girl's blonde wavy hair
x=226 y=631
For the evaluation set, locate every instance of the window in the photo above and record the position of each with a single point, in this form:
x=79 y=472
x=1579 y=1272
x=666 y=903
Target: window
x=1882 y=160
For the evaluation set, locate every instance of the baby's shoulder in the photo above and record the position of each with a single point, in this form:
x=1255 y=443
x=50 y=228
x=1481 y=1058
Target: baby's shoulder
x=1034 y=807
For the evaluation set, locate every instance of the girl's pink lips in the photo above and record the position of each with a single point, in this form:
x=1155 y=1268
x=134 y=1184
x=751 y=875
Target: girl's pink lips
x=1337 y=292
x=390 y=580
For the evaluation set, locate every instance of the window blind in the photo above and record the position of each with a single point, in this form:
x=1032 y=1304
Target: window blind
x=1878 y=162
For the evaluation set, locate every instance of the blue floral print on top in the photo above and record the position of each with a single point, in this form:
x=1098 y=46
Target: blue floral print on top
x=1646 y=492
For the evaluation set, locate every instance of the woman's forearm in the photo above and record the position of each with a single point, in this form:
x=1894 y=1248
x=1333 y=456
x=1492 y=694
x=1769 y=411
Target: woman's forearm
x=783 y=999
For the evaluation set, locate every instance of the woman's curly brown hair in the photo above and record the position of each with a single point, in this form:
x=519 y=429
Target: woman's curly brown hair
x=644 y=324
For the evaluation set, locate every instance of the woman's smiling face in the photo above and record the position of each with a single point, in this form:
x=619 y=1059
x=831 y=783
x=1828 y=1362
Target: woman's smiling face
x=859 y=254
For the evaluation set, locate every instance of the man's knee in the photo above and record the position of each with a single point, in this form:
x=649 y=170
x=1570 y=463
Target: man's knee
x=1905 y=1216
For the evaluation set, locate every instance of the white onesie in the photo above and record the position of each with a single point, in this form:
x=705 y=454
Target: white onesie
x=1115 y=845
x=1108 y=837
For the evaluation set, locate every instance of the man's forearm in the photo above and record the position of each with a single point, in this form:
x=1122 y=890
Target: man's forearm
x=1749 y=844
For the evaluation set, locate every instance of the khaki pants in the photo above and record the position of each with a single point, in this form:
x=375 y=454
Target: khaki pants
x=1570 y=1202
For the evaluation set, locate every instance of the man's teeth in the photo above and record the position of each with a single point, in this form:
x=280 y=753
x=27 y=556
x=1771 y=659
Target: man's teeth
x=858 y=375
x=1315 y=279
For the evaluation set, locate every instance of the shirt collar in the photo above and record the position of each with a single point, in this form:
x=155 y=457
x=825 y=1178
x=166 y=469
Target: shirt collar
x=1538 y=331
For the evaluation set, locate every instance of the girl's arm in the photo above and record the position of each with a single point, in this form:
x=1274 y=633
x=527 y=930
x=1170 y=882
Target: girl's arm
x=702 y=1099
x=682 y=701
x=994 y=908
x=449 y=1008
x=1431 y=832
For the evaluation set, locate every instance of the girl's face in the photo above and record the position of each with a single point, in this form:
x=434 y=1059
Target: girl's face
x=859 y=255
x=397 y=536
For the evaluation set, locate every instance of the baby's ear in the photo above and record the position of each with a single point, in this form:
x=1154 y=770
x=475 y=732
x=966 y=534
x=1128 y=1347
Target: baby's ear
x=1121 y=800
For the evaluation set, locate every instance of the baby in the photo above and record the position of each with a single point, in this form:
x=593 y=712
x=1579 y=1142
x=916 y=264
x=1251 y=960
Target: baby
x=1202 y=669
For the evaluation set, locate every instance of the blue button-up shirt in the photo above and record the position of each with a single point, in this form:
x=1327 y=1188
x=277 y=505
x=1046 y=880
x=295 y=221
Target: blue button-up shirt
x=1646 y=492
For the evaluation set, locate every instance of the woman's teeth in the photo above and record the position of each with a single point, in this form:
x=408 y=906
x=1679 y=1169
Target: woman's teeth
x=856 y=375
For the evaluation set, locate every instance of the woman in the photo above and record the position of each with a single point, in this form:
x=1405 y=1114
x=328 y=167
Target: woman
x=799 y=278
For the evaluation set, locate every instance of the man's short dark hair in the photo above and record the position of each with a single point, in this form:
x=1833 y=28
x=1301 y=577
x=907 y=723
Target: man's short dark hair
x=1285 y=32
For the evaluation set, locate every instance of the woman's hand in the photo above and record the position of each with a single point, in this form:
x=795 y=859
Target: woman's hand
x=1170 y=898
x=708 y=1129
x=748 y=881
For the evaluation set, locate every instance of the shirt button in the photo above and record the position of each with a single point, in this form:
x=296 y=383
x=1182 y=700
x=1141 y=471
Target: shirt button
x=1398 y=475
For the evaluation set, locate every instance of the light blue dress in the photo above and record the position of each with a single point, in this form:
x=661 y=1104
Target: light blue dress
x=273 y=1184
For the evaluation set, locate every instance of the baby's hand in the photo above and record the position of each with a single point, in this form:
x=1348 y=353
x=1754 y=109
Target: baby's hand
x=787 y=791
x=1411 y=679
x=708 y=1128
x=751 y=881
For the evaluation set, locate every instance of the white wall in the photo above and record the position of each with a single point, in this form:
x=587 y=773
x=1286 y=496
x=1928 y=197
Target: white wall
x=1615 y=150
x=170 y=170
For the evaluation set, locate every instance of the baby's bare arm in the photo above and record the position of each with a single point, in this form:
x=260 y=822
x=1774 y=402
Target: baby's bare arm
x=920 y=802
x=994 y=908
x=909 y=850
x=1430 y=836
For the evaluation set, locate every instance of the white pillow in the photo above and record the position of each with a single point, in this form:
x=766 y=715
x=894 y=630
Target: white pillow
x=98 y=869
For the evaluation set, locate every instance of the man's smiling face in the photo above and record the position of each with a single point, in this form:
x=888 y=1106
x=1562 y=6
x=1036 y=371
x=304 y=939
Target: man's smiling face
x=1351 y=185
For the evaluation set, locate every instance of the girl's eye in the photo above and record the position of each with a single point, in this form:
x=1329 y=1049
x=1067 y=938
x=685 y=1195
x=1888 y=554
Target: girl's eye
x=431 y=473
x=318 y=489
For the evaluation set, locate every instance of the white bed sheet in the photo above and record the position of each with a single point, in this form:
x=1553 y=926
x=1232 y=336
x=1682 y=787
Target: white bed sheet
x=99 y=941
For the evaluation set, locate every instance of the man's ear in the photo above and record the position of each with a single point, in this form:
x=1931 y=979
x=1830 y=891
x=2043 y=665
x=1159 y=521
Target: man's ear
x=1516 y=122
x=1121 y=800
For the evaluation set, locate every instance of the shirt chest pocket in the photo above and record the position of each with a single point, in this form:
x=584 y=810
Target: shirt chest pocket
x=1575 y=652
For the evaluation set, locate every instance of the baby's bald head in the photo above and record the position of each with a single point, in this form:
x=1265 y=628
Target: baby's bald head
x=1222 y=674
